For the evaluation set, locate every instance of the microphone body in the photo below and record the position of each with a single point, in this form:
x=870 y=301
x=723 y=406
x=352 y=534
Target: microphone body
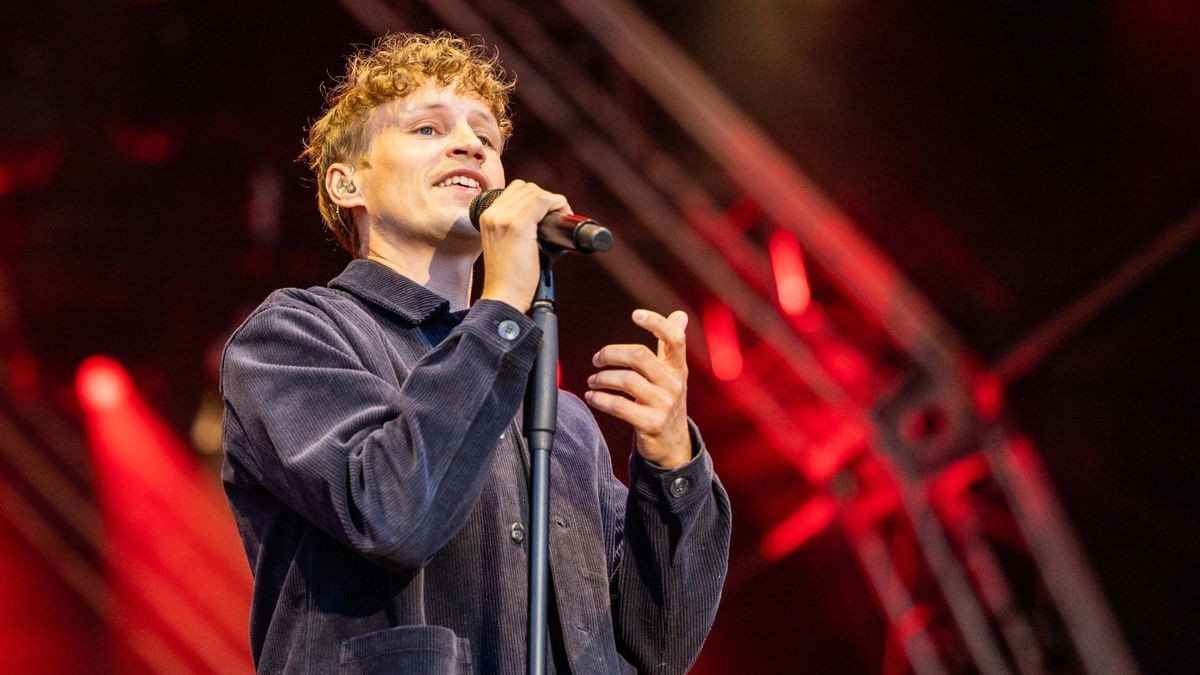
x=568 y=232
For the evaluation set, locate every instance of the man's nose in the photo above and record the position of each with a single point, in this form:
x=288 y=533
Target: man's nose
x=464 y=141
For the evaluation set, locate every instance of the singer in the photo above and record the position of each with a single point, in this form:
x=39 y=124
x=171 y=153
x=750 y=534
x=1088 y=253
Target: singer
x=374 y=460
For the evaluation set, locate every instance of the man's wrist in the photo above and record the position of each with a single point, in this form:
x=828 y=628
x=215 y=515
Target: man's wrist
x=667 y=453
x=672 y=461
x=509 y=299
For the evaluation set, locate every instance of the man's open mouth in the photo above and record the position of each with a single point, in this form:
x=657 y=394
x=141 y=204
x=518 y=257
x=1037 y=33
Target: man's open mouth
x=465 y=181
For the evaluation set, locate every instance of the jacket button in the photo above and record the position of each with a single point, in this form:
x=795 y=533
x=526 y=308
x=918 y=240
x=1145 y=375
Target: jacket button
x=517 y=532
x=679 y=486
x=508 y=329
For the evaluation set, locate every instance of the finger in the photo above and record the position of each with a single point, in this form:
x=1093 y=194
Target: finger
x=551 y=201
x=634 y=357
x=526 y=211
x=675 y=351
x=637 y=415
x=631 y=383
x=671 y=334
x=522 y=207
x=531 y=193
x=641 y=360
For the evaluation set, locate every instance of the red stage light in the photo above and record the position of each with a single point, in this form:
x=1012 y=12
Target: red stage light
x=825 y=459
x=805 y=523
x=102 y=383
x=177 y=569
x=988 y=392
x=845 y=363
x=791 y=279
x=950 y=490
x=724 y=351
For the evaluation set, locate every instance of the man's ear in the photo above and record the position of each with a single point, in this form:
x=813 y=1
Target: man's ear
x=341 y=186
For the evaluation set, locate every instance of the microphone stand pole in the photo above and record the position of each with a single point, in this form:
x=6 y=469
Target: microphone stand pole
x=541 y=423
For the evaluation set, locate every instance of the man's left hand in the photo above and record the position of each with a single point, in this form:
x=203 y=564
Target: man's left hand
x=654 y=388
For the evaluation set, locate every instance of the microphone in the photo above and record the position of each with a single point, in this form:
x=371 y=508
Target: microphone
x=569 y=232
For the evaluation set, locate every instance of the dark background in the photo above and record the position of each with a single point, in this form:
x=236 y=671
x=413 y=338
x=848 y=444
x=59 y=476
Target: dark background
x=1008 y=157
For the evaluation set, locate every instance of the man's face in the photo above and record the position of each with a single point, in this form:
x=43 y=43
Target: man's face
x=431 y=152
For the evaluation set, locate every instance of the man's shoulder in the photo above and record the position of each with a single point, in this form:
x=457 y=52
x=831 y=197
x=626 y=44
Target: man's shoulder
x=318 y=302
x=316 y=313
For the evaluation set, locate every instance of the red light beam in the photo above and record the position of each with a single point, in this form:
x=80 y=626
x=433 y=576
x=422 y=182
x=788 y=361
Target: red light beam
x=724 y=350
x=791 y=279
x=177 y=567
x=804 y=524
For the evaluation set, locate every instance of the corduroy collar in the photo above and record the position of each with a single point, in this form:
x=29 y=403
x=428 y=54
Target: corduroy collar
x=382 y=286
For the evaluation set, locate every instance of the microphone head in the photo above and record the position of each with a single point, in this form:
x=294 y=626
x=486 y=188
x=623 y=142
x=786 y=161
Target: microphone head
x=480 y=204
x=591 y=237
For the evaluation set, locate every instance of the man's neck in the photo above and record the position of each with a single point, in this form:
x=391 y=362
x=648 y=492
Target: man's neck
x=445 y=270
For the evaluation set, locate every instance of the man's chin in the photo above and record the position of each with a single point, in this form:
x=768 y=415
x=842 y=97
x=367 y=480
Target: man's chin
x=462 y=227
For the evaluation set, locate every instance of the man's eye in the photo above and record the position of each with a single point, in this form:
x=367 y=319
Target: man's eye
x=426 y=130
x=486 y=141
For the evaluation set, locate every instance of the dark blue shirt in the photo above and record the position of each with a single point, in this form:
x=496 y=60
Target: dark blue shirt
x=376 y=470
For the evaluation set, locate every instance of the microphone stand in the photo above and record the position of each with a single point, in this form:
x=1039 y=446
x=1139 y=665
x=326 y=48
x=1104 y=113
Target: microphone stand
x=541 y=423
x=541 y=400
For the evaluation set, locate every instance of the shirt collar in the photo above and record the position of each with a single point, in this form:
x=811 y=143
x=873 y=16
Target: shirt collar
x=382 y=286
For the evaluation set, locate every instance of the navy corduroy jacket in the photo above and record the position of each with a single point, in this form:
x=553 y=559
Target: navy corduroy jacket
x=375 y=468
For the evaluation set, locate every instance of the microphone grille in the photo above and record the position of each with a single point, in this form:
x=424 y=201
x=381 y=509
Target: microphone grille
x=480 y=204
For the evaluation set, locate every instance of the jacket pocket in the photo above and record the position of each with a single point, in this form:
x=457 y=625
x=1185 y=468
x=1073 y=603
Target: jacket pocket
x=406 y=649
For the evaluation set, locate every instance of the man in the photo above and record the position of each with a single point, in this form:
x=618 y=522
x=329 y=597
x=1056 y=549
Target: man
x=374 y=458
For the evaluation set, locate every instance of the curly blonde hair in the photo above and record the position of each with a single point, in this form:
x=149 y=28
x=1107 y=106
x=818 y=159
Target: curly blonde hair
x=392 y=67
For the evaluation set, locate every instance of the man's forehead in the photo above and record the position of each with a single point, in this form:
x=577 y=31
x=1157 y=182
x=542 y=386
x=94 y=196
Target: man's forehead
x=434 y=97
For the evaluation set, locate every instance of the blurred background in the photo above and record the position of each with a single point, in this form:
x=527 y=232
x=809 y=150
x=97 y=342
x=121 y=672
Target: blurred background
x=940 y=259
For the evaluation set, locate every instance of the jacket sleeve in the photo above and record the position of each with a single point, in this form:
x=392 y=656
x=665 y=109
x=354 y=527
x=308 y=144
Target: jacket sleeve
x=669 y=560
x=391 y=472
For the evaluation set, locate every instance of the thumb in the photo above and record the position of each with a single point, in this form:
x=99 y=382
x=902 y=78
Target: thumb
x=676 y=354
x=679 y=318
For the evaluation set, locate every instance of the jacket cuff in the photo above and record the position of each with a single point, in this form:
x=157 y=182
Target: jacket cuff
x=675 y=488
x=502 y=327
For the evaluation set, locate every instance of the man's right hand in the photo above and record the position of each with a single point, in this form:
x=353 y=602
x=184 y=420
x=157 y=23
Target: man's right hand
x=508 y=230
